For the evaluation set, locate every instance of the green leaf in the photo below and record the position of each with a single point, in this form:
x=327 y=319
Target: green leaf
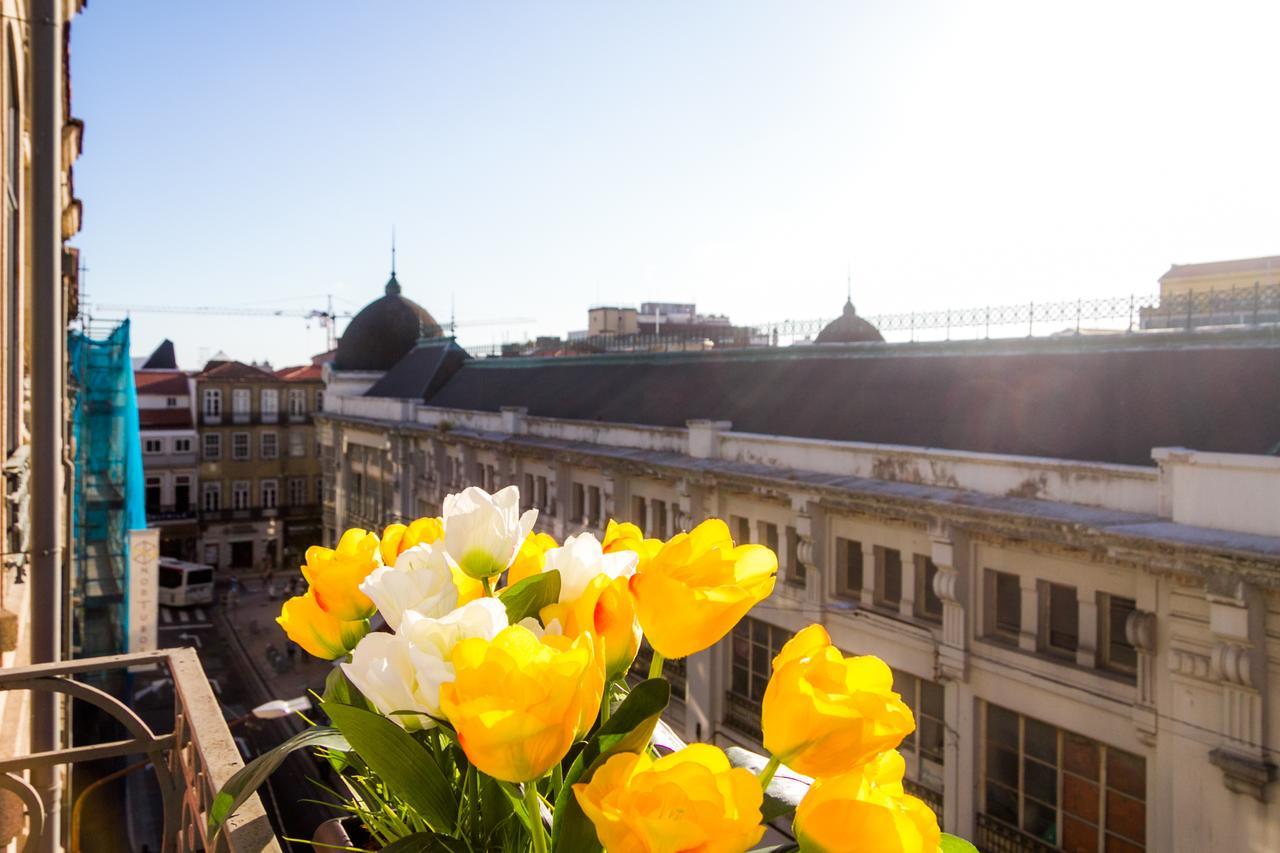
x=529 y=596
x=403 y=764
x=338 y=689
x=954 y=844
x=247 y=779
x=425 y=842
x=786 y=790
x=628 y=730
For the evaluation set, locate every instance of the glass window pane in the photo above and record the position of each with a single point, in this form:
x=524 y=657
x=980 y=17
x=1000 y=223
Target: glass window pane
x=1002 y=803
x=1126 y=816
x=1127 y=772
x=741 y=681
x=1116 y=844
x=1042 y=741
x=931 y=742
x=1079 y=837
x=1040 y=820
x=1002 y=766
x=759 y=632
x=1040 y=781
x=1008 y=603
x=1080 y=798
x=932 y=696
x=1002 y=727
x=891 y=592
x=1064 y=617
x=1080 y=755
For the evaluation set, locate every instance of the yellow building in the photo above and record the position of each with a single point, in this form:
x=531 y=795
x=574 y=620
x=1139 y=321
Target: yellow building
x=1217 y=276
x=260 y=475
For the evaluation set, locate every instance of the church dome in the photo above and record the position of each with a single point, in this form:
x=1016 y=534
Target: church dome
x=848 y=328
x=384 y=331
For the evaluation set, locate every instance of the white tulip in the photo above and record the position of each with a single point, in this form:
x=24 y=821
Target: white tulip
x=483 y=532
x=580 y=559
x=420 y=580
x=431 y=643
x=382 y=670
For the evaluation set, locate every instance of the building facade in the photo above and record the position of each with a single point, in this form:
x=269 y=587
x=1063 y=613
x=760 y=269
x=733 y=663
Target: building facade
x=1089 y=634
x=170 y=454
x=259 y=477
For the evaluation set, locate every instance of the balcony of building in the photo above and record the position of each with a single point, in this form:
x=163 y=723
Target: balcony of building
x=189 y=762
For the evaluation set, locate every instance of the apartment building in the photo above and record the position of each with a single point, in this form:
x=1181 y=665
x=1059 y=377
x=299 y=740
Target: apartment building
x=170 y=451
x=259 y=468
x=1084 y=617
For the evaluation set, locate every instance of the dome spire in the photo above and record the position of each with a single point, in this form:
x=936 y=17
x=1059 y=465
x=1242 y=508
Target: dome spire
x=393 y=286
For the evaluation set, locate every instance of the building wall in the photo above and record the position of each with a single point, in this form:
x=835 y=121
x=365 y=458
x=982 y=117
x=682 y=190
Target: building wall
x=1142 y=650
x=1263 y=274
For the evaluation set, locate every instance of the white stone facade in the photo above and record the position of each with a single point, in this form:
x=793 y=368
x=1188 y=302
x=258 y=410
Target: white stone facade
x=1092 y=650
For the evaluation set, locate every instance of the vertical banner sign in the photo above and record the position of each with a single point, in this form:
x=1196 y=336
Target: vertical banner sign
x=144 y=581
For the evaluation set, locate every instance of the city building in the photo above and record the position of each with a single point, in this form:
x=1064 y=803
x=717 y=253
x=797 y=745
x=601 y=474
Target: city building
x=170 y=451
x=259 y=468
x=1216 y=293
x=1084 y=616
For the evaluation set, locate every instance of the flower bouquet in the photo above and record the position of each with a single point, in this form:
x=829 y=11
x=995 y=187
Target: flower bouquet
x=494 y=713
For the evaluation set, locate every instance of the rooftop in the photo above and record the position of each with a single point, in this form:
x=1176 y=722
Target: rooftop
x=1244 y=265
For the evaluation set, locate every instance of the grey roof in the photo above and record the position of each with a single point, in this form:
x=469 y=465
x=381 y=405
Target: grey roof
x=848 y=328
x=1102 y=399
x=162 y=358
x=422 y=371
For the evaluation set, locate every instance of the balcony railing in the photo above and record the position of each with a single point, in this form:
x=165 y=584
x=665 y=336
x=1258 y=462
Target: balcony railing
x=190 y=763
x=931 y=798
x=996 y=836
x=170 y=512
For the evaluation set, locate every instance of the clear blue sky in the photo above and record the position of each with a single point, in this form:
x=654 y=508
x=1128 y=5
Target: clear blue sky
x=539 y=157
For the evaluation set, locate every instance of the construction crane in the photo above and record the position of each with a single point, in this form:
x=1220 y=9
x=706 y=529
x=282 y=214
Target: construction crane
x=327 y=316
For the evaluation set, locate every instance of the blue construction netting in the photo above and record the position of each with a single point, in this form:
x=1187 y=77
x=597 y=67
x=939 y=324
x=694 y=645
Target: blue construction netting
x=108 y=494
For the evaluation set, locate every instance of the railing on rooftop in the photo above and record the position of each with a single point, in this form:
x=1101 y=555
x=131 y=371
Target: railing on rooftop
x=190 y=763
x=1241 y=306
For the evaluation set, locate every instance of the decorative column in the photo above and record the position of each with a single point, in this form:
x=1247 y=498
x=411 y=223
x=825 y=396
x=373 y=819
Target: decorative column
x=1028 y=638
x=804 y=512
x=958 y=766
x=1236 y=620
x=1140 y=631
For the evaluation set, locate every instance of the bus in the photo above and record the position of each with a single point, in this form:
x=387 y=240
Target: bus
x=183 y=584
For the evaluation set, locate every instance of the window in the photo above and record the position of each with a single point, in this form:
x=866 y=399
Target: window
x=928 y=605
x=579 y=502
x=153 y=445
x=212 y=402
x=639 y=512
x=848 y=568
x=240 y=494
x=888 y=577
x=241 y=403
x=658 y=511
x=593 y=506
x=541 y=488
x=269 y=401
x=182 y=445
x=1115 y=652
x=1003 y=605
x=297 y=443
x=268 y=445
x=269 y=494
x=740 y=528
x=297 y=402
x=767 y=535
x=795 y=568
x=319 y=400
x=211 y=497
x=526 y=492
x=171 y=402
x=239 y=445
x=297 y=487
x=212 y=445
x=1067 y=790
x=182 y=492
x=755 y=644
x=924 y=749
x=1059 y=619
x=153 y=495
x=320 y=490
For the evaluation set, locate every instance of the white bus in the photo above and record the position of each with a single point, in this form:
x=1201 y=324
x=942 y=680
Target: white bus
x=183 y=584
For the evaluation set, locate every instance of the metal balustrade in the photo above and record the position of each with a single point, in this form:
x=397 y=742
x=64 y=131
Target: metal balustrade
x=996 y=836
x=190 y=763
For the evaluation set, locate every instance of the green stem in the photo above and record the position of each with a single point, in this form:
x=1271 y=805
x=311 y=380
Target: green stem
x=488 y=587
x=534 y=807
x=605 y=703
x=655 y=665
x=766 y=775
x=557 y=780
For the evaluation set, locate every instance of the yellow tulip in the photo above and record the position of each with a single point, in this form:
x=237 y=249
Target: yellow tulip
x=469 y=588
x=696 y=588
x=825 y=714
x=688 y=800
x=335 y=575
x=319 y=633
x=531 y=557
x=626 y=536
x=518 y=702
x=606 y=610
x=866 y=809
x=398 y=538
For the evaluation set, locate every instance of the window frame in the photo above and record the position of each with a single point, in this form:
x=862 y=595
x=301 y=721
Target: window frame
x=274 y=452
x=211 y=489
x=211 y=446
x=882 y=598
x=238 y=439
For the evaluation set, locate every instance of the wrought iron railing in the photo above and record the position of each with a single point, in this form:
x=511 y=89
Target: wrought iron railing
x=996 y=836
x=931 y=798
x=190 y=763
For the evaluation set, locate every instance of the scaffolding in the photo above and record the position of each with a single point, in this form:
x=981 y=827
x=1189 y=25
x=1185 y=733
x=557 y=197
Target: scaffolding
x=107 y=490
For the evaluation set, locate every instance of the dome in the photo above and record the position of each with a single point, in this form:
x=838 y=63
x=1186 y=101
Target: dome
x=384 y=331
x=848 y=328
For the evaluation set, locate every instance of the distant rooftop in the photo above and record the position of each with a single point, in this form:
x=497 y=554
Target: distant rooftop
x=1245 y=265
